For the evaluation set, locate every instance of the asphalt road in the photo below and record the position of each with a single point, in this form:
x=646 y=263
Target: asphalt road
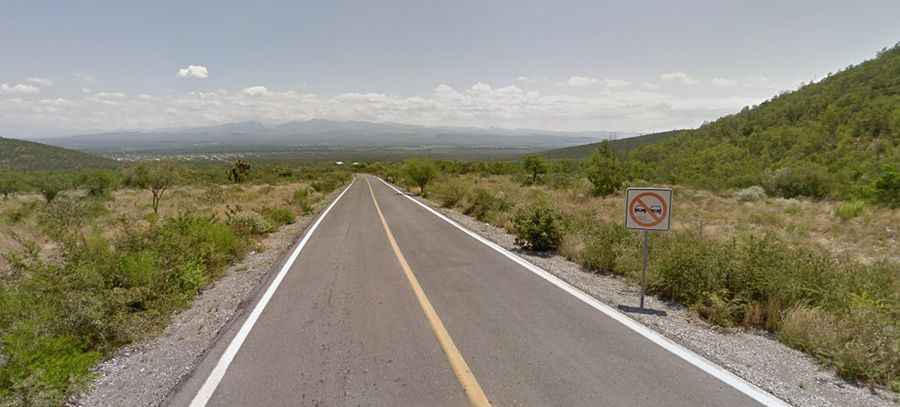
x=387 y=304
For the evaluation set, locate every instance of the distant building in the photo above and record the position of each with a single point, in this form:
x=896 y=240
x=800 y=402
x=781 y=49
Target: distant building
x=338 y=163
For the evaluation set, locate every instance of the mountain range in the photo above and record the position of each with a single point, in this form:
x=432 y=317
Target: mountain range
x=251 y=135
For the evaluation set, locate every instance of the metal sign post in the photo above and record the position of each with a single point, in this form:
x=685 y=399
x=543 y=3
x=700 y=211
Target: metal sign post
x=647 y=209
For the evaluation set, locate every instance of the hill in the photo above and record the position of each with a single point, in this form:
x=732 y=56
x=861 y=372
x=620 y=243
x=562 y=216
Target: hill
x=30 y=156
x=838 y=137
x=621 y=145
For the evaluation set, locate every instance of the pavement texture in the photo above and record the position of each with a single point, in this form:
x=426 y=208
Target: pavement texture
x=345 y=327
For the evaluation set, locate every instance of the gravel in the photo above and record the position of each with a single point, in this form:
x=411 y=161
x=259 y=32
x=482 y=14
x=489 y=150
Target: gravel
x=144 y=374
x=756 y=356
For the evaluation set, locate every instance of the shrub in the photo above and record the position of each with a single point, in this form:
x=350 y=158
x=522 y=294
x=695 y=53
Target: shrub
x=156 y=178
x=602 y=246
x=483 y=202
x=605 y=171
x=278 y=216
x=249 y=223
x=801 y=179
x=887 y=188
x=451 y=192
x=303 y=199
x=100 y=183
x=849 y=210
x=750 y=194
x=538 y=228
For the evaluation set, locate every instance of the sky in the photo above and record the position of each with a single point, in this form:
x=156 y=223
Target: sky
x=83 y=66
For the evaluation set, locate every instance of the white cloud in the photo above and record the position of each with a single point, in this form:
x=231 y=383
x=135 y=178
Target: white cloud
x=194 y=71
x=19 y=89
x=256 y=91
x=615 y=108
x=584 y=81
x=680 y=77
x=649 y=86
x=581 y=81
x=40 y=81
x=525 y=79
x=724 y=82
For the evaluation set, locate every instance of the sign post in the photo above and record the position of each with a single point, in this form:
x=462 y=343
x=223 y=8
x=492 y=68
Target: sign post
x=647 y=209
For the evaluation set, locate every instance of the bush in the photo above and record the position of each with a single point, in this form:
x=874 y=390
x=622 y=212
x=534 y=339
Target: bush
x=451 y=192
x=278 y=216
x=849 y=210
x=535 y=166
x=887 y=188
x=483 y=202
x=538 y=228
x=303 y=199
x=603 y=246
x=100 y=183
x=802 y=179
x=249 y=223
x=751 y=194
x=420 y=172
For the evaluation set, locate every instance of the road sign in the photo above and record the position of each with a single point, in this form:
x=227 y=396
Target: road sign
x=648 y=208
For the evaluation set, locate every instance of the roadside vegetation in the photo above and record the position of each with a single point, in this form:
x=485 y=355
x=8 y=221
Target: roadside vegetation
x=822 y=275
x=96 y=259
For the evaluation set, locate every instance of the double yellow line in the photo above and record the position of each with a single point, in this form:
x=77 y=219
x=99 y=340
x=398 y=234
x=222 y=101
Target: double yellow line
x=457 y=363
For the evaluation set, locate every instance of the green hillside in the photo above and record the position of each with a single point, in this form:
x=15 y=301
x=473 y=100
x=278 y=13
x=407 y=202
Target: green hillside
x=622 y=146
x=839 y=138
x=29 y=156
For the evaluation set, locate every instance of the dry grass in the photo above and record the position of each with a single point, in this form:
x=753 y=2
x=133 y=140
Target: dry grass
x=134 y=207
x=867 y=238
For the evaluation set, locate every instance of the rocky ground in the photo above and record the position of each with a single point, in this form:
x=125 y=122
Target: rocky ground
x=755 y=356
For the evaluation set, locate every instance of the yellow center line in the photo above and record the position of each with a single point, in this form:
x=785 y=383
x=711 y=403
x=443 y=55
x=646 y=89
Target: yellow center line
x=457 y=363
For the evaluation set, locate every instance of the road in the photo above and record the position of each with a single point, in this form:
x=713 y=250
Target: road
x=388 y=304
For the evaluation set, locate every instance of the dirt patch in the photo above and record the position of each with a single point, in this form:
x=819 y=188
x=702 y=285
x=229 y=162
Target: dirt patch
x=144 y=374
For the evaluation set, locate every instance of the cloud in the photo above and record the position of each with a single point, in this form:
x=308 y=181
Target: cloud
x=19 y=89
x=680 y=77
x=585 y=81
x=581 y=81
x=481 y=104
x=194 y=71
x=525 y=79
x=724 y=83
x=649 y=86
x=256 y=91
x=40 y=81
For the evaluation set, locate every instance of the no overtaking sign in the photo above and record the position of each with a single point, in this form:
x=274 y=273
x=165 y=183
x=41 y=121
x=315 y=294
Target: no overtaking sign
x=648 y=208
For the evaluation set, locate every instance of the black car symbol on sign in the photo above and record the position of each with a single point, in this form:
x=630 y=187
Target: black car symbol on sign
x=639 y=209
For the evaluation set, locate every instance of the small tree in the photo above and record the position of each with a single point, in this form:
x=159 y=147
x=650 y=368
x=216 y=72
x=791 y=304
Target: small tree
x=9 y=184
x=50 y=187
x=239 y=171
x=538 y=228
x=99 y=183
x=155 y=178
x=605 y=170
x=420 y=172
x=887 y=188
x=536 y=165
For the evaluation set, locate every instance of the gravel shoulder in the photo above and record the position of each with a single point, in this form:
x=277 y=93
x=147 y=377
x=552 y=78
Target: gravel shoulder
x=144 y=374
x=756 y=356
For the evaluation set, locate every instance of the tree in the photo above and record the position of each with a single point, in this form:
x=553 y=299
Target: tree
x=887 y=188
x=605 y=170
x=50 y=186
x=239 y=171
x=420 y=172
x=536 y=165
x=99 y=183
x=9 y=184
x=155 y=178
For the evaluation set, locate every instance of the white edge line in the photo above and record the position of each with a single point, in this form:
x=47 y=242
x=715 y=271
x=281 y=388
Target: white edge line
x=212 y=382
x=689 y=356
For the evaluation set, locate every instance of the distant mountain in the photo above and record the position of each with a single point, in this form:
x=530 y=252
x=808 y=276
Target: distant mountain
x=317 y=133
x=29 y=156
x=621 y=145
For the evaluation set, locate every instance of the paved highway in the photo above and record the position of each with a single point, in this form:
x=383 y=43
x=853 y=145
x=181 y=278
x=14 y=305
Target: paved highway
x=384 y=303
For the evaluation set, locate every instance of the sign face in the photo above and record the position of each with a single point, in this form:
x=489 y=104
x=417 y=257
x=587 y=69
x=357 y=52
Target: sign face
x=648 y=208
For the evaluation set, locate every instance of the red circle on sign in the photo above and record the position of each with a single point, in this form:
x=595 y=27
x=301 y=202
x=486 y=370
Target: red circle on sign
x=656 y=220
